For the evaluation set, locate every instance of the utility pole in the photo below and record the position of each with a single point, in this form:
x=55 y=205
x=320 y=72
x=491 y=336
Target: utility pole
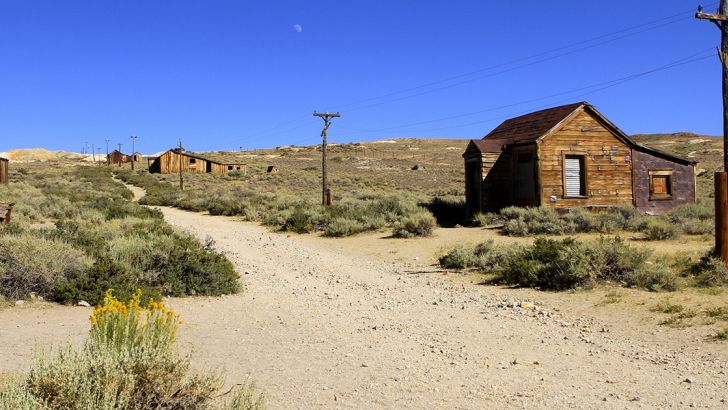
x=98 y=151
x=107 y=151
x=133 y=152
x=181 y=180
x=326 y=116
x=93 y=153
x=119 y=144
x=720 y=19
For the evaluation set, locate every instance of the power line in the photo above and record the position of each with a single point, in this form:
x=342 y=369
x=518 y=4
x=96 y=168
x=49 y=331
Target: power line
x=496 y=108
x=505 y=70
x=684 y=16
x=641 y=28
x=598 y=87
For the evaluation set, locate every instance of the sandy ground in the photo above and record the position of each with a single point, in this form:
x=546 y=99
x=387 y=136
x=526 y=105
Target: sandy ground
x=330 y=324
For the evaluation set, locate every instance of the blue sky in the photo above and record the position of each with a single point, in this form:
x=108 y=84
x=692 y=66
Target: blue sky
x=231 y=74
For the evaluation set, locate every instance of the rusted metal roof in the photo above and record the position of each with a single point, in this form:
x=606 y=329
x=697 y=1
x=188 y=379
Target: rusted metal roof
x=529 y=128
x=200 y=157
x=660 y=153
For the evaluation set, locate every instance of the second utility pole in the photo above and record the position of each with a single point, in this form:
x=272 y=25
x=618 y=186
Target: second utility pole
x=181 y=180
x=720 y=19
x=326 y=116
x=133 y=153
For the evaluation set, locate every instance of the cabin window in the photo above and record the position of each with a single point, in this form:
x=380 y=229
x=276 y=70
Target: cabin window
x=660 y=185
x=193 y=161
x=574 y=176
x=238 y=168
x=230 y=167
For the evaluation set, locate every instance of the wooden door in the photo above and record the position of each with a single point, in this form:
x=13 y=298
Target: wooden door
x=473 y=186
x=524 y=178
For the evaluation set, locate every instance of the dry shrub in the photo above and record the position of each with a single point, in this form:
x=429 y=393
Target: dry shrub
x=31 y=263
x=569 y=263
x=418 y=224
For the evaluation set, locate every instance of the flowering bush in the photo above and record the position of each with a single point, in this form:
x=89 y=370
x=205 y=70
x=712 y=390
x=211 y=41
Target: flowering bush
x=120 y=325
x=129 y=361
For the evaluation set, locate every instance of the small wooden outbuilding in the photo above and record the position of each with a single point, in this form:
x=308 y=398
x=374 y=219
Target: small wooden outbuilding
x=4 y=166
x=118 y=158
x=272 y=169
x=572 y=156
x=174 y=160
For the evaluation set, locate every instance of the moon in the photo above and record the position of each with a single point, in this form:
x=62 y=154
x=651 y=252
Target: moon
x=298 y=28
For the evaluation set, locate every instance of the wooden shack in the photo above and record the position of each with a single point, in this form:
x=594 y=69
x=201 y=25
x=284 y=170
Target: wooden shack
x=4 y=169
x=171 y=161
x=272 y=169
x=571 y=156
x=6 y=211
x=118 y=158
x=137 y=157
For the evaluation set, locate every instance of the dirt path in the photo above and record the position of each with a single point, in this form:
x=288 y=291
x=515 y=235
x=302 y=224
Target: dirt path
x=320 y=327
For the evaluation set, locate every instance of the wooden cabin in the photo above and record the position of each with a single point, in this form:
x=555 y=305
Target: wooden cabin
x=6 y=211
x=118 y=158
x=137 y=157
x=572 y=156
x=171 y=161
x=4 y=168
x=272 y=169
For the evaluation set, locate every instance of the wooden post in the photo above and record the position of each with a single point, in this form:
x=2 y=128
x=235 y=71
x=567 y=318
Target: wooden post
x=326 y=116
x=133 y=147
x=181 y=180
x=720 y=19
x=721 y=218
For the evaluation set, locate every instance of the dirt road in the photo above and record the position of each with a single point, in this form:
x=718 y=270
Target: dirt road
x=320 y=327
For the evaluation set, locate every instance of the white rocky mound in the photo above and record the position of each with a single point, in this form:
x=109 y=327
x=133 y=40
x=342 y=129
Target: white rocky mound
x=40 y=154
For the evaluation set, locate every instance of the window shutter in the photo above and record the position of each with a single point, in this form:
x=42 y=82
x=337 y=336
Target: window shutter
x=573 y=176
x=659 y=185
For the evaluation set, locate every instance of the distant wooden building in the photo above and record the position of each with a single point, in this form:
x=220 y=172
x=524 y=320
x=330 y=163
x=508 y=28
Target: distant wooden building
x=4 y=166
x=118 y=158
x=137 y=157
x=172 y=160
x=272 y=169
x=572 y=156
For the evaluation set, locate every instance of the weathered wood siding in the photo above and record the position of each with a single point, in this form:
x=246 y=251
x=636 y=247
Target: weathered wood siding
x=683 y=182
x=608 y=164
x=169 y=163
x=473 y=183
x=496 y=187
x=216 y=168
x=4 y=165
x=117 y=158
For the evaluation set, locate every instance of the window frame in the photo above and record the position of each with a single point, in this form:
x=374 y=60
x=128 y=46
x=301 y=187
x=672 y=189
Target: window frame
x=661 y=173
x=584 y=174
x=193 y=160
